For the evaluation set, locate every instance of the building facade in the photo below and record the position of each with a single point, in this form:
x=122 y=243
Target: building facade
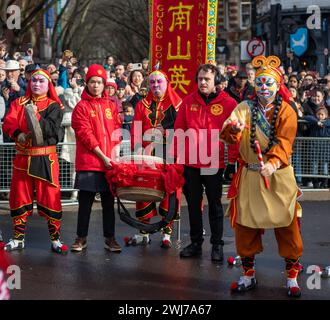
x=276 y=20
x=234 y=25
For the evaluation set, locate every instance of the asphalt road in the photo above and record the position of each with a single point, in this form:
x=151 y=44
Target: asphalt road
x=153 y=273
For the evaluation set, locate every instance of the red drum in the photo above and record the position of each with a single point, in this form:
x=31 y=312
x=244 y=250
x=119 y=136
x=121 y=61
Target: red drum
x=140 y=178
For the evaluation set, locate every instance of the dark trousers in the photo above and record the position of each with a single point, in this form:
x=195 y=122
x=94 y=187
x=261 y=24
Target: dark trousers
x=193 y=190
x=86 y=199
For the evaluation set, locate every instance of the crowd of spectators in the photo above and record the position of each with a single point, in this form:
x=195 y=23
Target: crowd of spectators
x=127 y=85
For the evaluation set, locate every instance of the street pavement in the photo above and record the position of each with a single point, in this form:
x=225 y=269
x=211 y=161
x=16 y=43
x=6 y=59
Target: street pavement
x=153 y=273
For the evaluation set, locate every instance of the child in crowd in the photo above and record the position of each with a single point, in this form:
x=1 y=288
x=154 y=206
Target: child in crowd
x=320 y=127
x=3 y=52
x=128 y=118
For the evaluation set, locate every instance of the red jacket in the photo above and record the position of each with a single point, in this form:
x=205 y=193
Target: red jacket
x=94 y=120
x=194 y=114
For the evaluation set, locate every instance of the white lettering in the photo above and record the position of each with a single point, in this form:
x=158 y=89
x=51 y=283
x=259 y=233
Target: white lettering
x=314 y=21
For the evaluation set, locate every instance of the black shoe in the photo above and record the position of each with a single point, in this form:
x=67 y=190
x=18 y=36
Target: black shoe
x=217 y=253
x=194 y=249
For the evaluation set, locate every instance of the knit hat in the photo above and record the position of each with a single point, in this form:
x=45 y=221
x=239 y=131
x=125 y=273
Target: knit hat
x=31 y=67
x=232 y=68
x=241 y=74
x=96 y=70
x=121 y=84
x=111 y=83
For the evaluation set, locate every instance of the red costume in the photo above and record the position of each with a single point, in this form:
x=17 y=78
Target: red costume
x=36 y=169
x=154 y=113
x=195 y=114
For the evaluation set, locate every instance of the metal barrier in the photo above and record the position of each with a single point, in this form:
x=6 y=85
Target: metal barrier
x=311 y=158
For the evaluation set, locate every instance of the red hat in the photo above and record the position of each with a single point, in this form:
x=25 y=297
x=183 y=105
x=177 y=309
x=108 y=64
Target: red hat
x=96 y=70
x=111 y=83
x=232 y=68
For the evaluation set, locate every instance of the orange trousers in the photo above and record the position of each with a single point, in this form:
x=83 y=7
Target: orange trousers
x=289 y=241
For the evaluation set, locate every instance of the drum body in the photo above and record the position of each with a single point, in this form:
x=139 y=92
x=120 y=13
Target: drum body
x=144 y=174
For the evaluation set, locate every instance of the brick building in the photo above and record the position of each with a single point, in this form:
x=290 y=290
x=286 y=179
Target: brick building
x=234 y=25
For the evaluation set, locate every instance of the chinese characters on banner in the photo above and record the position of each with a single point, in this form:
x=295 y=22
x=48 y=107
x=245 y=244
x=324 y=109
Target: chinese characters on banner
x=182 y=35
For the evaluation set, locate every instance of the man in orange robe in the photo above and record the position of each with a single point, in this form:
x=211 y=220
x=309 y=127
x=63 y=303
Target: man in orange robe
x=269 y=119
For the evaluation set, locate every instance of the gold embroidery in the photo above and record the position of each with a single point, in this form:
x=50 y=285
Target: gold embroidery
x=217 y=109
x=108 y=113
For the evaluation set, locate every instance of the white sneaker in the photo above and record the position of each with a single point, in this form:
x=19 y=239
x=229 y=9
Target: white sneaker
x=245 y=280
x=98 y=197
x=166 y=241
x=59 y=247
x=245 y=283
x=14 y=244
x=140 y=239
x=293 y=288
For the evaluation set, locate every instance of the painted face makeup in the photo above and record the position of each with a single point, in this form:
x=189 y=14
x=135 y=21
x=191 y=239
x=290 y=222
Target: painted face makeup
x=39 y=85
x=158 y=85
x=266 y=87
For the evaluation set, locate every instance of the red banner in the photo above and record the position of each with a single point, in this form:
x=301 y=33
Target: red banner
x=182 y=36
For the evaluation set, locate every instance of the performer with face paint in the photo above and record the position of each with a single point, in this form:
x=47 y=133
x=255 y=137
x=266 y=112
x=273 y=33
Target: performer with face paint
x=35 y=167
x=269 y=119
x=156 y=111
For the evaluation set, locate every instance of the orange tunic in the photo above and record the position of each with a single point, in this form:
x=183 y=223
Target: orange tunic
x=251 y=204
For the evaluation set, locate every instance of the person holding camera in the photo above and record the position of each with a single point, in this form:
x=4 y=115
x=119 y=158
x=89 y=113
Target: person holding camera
x=14 y=86
x=66 y=69
x=4 y=55
x=315 y=101
x=135 y=80
x=143 y=91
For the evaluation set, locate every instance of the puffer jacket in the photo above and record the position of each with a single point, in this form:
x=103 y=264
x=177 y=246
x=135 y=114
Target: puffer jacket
x=96 y=123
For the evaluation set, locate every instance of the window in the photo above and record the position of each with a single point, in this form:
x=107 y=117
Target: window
x=245 y=15
x=226 y=15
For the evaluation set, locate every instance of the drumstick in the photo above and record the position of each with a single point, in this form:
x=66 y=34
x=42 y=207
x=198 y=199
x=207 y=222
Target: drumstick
x=261 y=161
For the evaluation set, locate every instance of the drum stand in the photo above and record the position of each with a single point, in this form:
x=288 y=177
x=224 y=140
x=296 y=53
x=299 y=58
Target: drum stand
x=178 y=230
x=149 y=227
